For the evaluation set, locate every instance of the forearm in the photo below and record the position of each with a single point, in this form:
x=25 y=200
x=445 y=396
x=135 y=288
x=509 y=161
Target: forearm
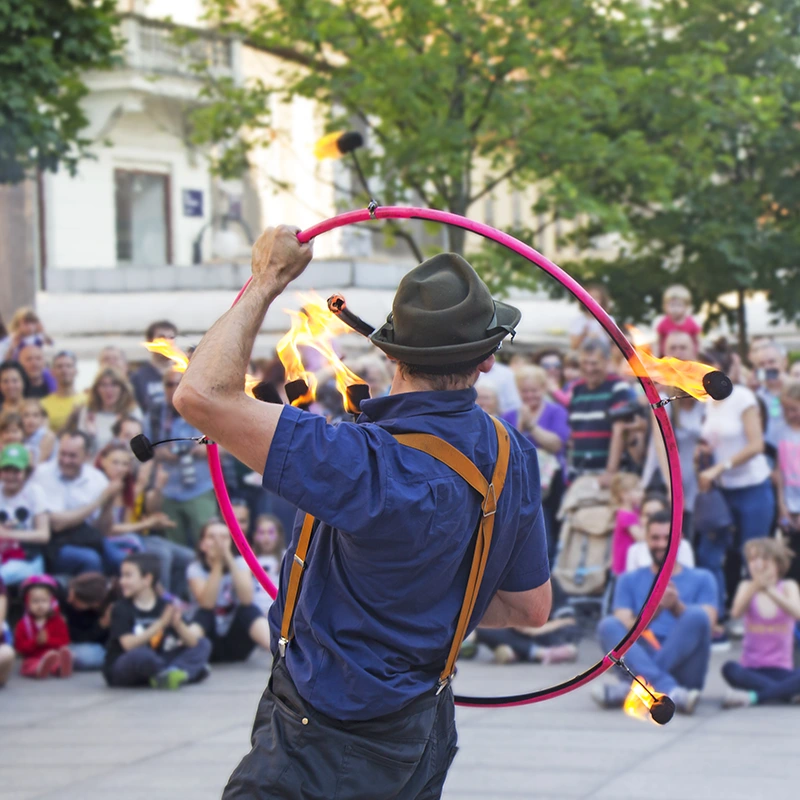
x=242 y=583
x=219 y=364
x=187 y=634
x=131 y=640
x=547 y=440
x=39 y=535
x=500 y=614
x=790 y=605
x=61 y=520
x=207 y=596
x=615 y=450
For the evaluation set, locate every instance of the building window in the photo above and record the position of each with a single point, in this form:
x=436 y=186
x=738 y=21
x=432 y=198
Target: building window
x=143 y=220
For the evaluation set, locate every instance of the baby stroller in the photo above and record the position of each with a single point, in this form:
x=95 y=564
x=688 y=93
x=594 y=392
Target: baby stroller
x=583 y=559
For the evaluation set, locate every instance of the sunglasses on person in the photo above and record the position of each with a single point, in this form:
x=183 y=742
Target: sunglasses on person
x=550 y=363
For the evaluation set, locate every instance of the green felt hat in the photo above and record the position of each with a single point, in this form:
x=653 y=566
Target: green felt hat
x=444 y=318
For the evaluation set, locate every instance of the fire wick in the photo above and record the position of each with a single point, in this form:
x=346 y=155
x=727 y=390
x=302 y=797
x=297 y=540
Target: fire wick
x=663 y=708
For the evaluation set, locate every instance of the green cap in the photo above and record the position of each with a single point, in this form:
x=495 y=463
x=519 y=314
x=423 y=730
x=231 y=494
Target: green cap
x=15 y=455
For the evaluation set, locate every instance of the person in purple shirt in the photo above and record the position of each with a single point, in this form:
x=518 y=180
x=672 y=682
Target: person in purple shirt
x=356 y=699
x=546 y=425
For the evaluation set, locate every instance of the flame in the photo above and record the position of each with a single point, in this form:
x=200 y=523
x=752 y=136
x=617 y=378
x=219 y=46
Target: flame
x=328 y=147
x=180 y=361
x=314 y=326
x=684 y=375
x=638 y=702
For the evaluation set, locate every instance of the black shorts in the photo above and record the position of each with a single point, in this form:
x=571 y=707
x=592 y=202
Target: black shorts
x=236 y=644
x=299 y=753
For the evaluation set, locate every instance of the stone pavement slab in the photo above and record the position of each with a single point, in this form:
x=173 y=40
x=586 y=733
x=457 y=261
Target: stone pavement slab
x=78 y=740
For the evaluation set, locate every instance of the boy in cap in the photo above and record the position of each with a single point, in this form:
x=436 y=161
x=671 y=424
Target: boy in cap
x=423 y=519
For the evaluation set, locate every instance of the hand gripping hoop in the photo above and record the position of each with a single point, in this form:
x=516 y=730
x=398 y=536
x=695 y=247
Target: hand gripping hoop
x=374 y=212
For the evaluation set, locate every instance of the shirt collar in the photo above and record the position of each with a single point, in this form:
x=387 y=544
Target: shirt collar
x=411 y=404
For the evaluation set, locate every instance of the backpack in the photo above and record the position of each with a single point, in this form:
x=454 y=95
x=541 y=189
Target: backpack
x=584 y=544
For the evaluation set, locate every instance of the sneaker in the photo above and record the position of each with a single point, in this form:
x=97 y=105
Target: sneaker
x=610 y=695
x=169 y=679
x=685 y=700
x=738 y=698
x=469 y=647
x=205 y=673
x=720 y=643
x=48 y=664
x=66 y=662
x=559 y=654
x=735 y=628
x=504 y=654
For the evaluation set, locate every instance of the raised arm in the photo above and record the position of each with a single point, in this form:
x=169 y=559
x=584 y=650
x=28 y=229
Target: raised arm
x=211 y=394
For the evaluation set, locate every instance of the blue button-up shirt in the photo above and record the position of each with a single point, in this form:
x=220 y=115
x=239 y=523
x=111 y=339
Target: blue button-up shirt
x=389 y=562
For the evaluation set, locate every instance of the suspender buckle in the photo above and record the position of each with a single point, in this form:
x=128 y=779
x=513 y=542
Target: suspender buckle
x=444 y=683
x=489 y=506
x=282 y=642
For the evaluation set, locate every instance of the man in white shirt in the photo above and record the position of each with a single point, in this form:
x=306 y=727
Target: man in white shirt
x=79 y=502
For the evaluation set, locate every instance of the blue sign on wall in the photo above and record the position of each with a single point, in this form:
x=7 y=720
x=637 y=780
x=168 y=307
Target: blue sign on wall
x=192 y=203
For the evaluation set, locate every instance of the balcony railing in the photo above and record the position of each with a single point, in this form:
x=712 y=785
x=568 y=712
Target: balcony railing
x=151 y=46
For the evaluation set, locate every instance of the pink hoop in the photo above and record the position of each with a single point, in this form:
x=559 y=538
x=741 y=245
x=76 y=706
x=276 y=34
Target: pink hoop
x=520 y=248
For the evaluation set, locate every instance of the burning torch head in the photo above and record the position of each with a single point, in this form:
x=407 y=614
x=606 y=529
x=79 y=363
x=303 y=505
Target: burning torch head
x=662 y=709
x=142 y=448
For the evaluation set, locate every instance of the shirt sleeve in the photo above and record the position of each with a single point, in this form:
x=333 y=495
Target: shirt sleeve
x=195 y=570
x=621 y=394
x=705 y=593
x=337 y=473
x=530 y=567
x=38 y=500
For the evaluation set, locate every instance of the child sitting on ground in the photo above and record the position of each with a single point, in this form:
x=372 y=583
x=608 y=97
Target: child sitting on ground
x=677 y=307
x=148 y=641
x=39 y=439
x=87 y=610
x=626 y=496
x=268 y=545
x=6 y=651
x=771 y=606
x=41 y=636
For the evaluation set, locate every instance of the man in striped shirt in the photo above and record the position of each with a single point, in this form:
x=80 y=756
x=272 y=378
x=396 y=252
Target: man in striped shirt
x=596 y=443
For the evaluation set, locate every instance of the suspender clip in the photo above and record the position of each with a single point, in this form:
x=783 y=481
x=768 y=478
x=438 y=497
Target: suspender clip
x=282 y=642
x=443 y=684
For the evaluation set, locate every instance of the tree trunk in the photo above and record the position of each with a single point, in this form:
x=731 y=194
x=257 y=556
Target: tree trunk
x=741 y=323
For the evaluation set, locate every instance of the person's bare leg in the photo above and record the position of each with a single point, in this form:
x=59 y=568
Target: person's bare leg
x=259 y=632
x=6 y=663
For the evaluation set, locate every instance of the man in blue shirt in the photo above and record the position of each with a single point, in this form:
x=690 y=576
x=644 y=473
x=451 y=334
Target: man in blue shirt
x=674 y=660
x=356 y=707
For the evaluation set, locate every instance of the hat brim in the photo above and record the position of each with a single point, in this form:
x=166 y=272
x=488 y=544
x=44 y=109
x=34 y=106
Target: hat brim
x=507 y=318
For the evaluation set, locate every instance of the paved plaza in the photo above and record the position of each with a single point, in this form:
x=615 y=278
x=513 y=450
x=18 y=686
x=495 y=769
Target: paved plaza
x=78 y=740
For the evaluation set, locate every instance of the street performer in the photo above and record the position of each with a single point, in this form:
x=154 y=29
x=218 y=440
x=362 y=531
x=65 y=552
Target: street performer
x=422 y=520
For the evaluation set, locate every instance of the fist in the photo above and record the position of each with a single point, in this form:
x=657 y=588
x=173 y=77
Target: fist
x=278 y=257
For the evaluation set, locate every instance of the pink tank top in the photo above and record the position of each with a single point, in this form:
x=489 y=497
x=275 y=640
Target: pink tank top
x=768 y=641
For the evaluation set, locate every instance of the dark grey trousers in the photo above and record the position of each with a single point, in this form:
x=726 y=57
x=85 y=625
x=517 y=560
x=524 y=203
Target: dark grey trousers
x=300 y=754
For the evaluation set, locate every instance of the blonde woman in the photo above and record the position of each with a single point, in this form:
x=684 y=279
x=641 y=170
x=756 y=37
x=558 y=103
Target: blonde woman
x=546 y=424
x=110 y=398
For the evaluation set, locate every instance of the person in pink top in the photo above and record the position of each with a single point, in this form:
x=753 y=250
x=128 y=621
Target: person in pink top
x=770 y=605
x=677 y=306
x=626 y=496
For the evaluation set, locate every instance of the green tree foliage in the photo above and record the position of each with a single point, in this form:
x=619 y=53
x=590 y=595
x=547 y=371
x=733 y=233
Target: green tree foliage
x=45 y=45
x=722 y=102
x=456 y=98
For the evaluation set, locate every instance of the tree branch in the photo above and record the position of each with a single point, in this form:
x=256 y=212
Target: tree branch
x=293 y=56
x=499 y=179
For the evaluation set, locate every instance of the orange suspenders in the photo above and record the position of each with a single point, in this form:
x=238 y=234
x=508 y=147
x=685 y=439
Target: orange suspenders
x=490 y=492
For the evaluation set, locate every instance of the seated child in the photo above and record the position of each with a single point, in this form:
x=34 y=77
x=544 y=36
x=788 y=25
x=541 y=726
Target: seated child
x=87 y=610
x=41 y=636
x=268 y=545
x=148 y=640
x=6 y=651
x=39 y=439
x=771 y=607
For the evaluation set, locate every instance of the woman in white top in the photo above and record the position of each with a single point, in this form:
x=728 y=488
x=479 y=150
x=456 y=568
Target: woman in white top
x=733 y=434
x=111 y=398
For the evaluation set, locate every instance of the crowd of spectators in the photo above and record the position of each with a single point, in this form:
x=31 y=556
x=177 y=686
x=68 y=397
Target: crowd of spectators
x=109 y=564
